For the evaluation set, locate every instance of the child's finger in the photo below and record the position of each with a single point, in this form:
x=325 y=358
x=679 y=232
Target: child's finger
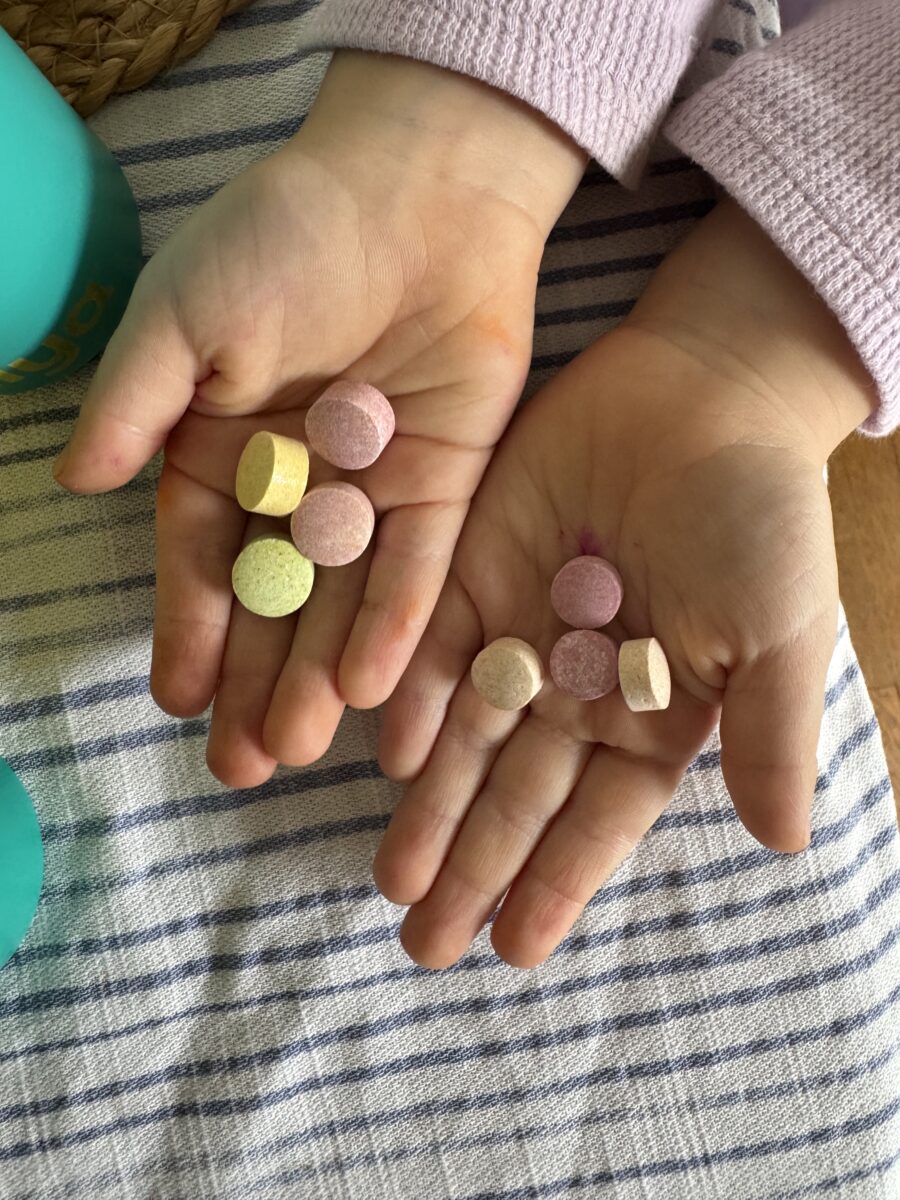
x=142 y=386
x=613 y=805
x=198 y=536
x=417 y=708
x=412 y=554
x=528 y=784
x=254 y=657
x=771 y=713
x=428 y=816
x=307 y=706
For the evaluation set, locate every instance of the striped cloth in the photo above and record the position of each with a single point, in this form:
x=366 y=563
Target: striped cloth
x=213 y=1002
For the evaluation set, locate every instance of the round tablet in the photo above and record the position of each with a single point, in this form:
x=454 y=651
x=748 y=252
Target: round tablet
x=333 y=524
x=644 y=675
x=271 y=577
x=350 y=424
x=271 y=475
x=586 y=592
x=508 y=673
x=21 y=862
x=584 y=664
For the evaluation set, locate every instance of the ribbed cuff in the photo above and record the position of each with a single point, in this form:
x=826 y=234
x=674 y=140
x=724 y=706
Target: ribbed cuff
x=743 y=154
x=604 y=73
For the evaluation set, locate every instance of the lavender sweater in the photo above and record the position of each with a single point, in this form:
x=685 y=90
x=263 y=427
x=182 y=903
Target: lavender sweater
x=823 y=179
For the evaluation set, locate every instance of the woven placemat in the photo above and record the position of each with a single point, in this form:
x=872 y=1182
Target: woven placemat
x=91 y=49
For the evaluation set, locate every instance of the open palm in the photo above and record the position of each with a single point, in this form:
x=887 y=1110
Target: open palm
x=721 y=530
x=333 y=258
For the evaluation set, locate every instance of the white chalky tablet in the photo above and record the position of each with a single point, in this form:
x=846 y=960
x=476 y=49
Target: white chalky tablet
x=350 y=424
x=584 y=664
x=644 y=675
x=271 y=577
x=587 y=592
x=333 y=524
x=272 y=474
x=508 y=673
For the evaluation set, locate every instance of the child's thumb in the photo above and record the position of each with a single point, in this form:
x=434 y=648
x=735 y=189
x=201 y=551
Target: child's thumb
x=771 y=715
x=143 y=384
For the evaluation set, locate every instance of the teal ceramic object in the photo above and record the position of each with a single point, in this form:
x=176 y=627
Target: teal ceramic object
x=21 y=862
x=70 y=242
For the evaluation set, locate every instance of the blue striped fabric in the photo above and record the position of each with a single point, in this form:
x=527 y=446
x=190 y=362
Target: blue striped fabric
x=213 y=1002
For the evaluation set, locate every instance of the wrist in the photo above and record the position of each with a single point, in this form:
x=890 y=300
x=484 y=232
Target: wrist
x=729 y=294
x=439 y=125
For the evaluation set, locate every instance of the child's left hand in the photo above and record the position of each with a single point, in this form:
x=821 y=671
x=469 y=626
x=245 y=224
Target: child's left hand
x=687 y=447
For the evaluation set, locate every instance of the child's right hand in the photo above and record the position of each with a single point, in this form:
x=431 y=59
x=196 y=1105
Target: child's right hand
x=396 y=239
x=687 y=446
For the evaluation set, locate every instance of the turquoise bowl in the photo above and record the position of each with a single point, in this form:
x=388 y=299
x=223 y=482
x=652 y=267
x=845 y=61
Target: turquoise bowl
x=21 y=862
x=70 y=240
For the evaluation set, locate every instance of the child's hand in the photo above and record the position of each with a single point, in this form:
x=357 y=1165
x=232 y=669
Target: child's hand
x=687 y=447
x=396 y=239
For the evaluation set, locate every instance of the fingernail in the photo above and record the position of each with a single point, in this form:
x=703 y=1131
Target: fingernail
x=60 y=464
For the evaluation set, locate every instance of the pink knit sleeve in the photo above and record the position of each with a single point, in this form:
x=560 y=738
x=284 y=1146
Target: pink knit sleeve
x=806 y=136
x=605 y=71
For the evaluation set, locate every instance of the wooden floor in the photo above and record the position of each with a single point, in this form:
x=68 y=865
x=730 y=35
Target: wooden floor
x=864 y=480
